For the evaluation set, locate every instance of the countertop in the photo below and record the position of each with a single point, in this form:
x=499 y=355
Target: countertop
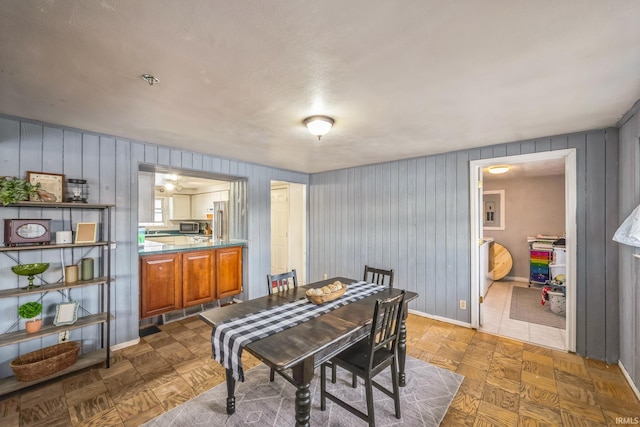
x=151 y=247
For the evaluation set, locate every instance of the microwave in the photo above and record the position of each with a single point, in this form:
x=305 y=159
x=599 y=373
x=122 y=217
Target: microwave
x=189 y=227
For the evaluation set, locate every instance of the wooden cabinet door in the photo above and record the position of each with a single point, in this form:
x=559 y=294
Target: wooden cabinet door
x=198 y=277
x=228 y=271
x=160 y=284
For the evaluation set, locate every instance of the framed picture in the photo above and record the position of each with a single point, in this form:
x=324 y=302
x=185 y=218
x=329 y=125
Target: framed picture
x=493 y=215
x=51 y=183
x=66 y=313
x=86 y=232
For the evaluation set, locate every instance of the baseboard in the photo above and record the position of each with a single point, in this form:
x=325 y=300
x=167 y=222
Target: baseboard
x=629 y=380
x=517 y=279
x=441 y=319
x=125 y=344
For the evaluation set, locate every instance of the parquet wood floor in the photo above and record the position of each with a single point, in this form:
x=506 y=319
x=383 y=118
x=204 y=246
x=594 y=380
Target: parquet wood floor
x=507 y=383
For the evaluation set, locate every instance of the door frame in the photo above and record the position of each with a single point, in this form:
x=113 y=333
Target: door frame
x=475 y=208
x=301 y=220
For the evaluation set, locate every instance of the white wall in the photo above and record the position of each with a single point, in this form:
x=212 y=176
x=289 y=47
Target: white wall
x=533 y=206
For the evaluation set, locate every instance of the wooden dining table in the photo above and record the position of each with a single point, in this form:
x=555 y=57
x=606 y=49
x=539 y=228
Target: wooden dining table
x=307 y=345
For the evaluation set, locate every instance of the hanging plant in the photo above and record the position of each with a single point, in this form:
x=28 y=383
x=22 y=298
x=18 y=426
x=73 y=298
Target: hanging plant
x=13 y=190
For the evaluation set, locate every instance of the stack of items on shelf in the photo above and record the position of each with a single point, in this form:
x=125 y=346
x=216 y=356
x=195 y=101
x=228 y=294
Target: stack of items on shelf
x=552 y=250
x=540 y=253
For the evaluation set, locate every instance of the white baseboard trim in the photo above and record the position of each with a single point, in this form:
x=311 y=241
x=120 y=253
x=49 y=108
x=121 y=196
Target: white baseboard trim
x=517 y=279
x=441 y=319
x=125 y=344
x=629 y=380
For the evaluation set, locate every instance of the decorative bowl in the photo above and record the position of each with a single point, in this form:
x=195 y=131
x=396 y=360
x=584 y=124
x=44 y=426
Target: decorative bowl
x=333 y=291
x=30 y=270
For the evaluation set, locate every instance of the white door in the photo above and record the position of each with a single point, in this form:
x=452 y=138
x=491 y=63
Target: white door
x=279 y=230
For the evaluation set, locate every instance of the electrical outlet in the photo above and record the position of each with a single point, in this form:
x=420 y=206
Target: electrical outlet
x=63 y=336
x=463 y=304
x=325 y=276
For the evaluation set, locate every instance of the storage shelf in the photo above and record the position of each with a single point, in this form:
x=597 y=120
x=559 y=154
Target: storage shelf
x=59 y=205
x=51 y=246
x=11 y=384
x=8 y=293
x=101 y=319
x=21 y=336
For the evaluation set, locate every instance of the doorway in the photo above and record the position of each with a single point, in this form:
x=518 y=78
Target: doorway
x=505 y=289
x=289 y=228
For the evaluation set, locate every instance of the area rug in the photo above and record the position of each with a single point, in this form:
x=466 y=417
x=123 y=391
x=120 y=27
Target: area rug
x=424 y=401
x=525 y=306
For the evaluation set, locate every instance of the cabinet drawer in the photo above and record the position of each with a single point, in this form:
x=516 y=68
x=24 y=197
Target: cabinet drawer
x=534 y=277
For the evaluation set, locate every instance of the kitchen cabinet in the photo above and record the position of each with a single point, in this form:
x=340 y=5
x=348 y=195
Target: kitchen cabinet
x=94 y=292
x=201 y=205
x=198 y=275
x=176 y=280
x=221 y=196
x=228 y=271
x=180 y=207
x=160 y=284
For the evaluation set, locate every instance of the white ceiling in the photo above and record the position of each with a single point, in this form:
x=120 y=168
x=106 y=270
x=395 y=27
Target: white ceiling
x=529 y=169
x=401 y=79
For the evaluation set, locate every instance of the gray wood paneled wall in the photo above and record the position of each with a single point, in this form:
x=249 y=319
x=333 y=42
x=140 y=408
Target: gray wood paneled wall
x=630 y=266
x=110 y=164
x=410 y=215
x=413 y=216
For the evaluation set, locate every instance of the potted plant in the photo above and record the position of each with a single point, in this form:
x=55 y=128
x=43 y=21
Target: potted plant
x=29 y=310
x=13 y=190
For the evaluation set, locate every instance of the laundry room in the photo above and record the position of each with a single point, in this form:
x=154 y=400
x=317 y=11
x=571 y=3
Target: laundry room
x=523 y=221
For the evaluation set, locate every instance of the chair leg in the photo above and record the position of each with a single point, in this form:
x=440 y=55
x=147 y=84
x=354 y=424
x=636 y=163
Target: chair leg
x=333 y=373
x=396 y=390
x=272 y=375
x=369 y=392
x=323 y=387
x=354 y=381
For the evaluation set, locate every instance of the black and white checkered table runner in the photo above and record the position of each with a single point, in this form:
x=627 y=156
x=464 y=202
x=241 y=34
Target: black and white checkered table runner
x=229 y=338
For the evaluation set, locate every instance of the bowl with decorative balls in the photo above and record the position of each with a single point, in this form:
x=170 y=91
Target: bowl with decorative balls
x=326 y=293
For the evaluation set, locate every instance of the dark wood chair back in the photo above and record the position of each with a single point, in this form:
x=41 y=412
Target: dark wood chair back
x=387 y=317
x=369 y=357
x=282 y=282
x=378 y=276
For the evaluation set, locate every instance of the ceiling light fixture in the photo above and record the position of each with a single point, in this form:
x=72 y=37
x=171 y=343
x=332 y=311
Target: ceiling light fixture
x=150 y=78
x=319 y=125
x=496 y=170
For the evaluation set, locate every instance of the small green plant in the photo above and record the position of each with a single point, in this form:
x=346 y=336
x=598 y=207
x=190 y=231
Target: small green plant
x=13 y=190
x=29 y=310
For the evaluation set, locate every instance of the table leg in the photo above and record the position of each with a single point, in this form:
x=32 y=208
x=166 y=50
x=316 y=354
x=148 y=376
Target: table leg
x=231 y=398
x=402 y=349
x=302 y=375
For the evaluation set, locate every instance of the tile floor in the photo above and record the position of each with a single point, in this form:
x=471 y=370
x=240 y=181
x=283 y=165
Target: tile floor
x=495 y=319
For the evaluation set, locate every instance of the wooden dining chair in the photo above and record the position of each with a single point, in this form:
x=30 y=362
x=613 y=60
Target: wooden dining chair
x=369 y=357
x=278 y=283
x=282 y=282
x=378 y=276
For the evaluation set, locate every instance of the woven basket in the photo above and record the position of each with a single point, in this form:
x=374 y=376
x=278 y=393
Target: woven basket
x=319 y=299
x=45 y=361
